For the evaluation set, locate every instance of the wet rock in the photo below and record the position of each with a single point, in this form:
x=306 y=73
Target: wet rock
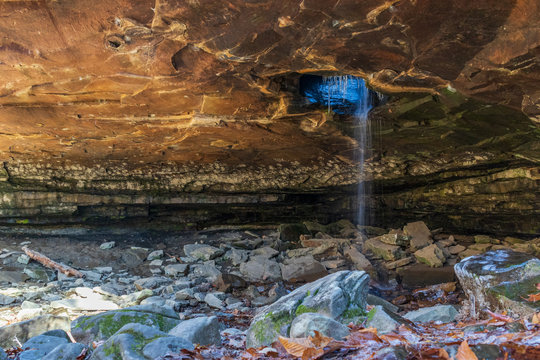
x=431 y=255
x=392 y=353
x=261 y=269
x=419 y=234
x=27 y=329
x=500 y=280
x=484 y=239
x=383 y=320
x=86 y=329
x=442 y=313
x=176 y=270
x=380 y=249
x=292 y=232
x=200 y=330
x=304 y=268
x=340 y=296
x=305 y=324
x=202 y=252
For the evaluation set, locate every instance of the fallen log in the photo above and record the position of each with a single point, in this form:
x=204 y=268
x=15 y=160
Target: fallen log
x=45 y=261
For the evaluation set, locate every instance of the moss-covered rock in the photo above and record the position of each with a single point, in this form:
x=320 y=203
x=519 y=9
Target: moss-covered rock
x=336 y=296
x=501 y=280
x=86 y=329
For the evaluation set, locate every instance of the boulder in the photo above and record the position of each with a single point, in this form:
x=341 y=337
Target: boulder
x=386 y=251
x=304 y=268
x=67 y=351
x=236 y=256
x=41 y=345
x=176 y=269
x=383 y=320
x=419 y=235
x=202 y=251
x=201 y=330
x=25 y=330
x=227 y=282
x=305 y=324
x=501 y=280
x=131 y=341
x=98 y=327
x=442 y=313
x=340 y=296
x=261 y=269
x=431 y=255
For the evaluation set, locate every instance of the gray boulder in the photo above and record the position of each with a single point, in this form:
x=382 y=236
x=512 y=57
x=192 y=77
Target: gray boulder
x=86 y=329
x=25 y=330
x=68 y=351
x=305 y=324
x=261 y=269
x=304 y=268
x=442 y=313
x=41 y=345
x=501 y=280
x=201 y=330
x=419 y=235
x=382 y=320
x=339 y=296
x=166 y=345
x=131 y=341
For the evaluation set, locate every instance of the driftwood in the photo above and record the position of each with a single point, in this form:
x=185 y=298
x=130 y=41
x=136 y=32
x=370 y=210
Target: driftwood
x=45 y=261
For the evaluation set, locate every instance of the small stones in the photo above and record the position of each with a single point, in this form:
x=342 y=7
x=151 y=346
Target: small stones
x=107 y=245
x=261 y=269
x=155 y=255
x=176 y=270
x=202 y=251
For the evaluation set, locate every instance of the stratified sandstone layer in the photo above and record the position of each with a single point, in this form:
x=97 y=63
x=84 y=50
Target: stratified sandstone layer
x=143 y=109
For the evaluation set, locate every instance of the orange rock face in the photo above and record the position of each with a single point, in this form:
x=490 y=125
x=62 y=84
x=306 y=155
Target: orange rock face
x=96 y=92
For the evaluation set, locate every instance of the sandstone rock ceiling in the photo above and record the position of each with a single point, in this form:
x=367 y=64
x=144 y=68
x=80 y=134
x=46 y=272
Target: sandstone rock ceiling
x=144 y=81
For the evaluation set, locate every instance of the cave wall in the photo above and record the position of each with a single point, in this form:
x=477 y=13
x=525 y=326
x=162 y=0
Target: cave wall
x=189 y=111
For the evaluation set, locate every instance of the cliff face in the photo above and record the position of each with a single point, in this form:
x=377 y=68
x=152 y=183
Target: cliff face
x=190 y=110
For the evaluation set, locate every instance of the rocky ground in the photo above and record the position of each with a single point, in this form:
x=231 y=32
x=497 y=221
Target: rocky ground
x=238 y=294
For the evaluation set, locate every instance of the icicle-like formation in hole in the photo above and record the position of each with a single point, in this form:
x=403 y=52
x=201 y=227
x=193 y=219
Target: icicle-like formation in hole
x=340 y=90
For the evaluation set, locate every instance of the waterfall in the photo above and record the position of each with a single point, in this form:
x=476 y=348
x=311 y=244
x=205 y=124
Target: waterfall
x=351 y=92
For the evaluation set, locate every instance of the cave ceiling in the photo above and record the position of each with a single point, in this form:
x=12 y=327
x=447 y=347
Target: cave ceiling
x=140 y=82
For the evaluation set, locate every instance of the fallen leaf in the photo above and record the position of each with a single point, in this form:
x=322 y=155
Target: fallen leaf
x=319 y=340
x=465 y=353
x=536 y=318
x=533 y=297
x=500 y=317
x=295 y=347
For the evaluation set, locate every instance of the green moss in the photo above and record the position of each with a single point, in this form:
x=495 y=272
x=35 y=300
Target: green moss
x=371 y=314
x=22 y=221
x=302 y=309
x=352 y=313
x=113 y=350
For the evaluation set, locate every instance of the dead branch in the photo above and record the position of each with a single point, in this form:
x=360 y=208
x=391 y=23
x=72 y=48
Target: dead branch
x=45 y=261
